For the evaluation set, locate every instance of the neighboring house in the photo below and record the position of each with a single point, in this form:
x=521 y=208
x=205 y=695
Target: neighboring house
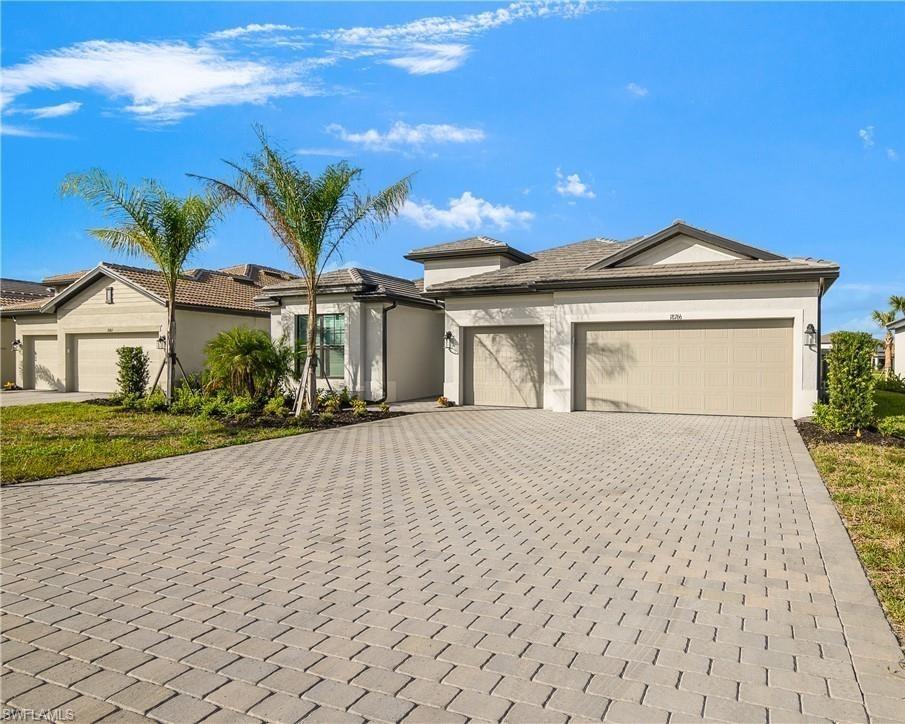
x=680 y=321
x=68 y=341
x=14 y=291
x=377 y=334
x=898 y=346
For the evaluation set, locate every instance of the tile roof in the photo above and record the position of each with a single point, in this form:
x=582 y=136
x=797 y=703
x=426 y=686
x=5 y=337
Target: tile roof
x=473 y=245
x=17 y=291
x=567 y=266
x=361 y=282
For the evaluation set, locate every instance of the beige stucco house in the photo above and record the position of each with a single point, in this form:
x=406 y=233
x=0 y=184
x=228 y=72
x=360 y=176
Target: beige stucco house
x=377 y=334
x=681 y=321
x=68 y=341
x=14 y=292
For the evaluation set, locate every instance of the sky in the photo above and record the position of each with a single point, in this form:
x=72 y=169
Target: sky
x=779 y=125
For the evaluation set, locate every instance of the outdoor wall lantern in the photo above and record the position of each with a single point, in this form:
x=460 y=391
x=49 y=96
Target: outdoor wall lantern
x=448 y=340
x=17 y=344
x=810 y=335
x=161 y=341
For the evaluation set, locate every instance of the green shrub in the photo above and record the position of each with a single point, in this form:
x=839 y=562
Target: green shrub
x=154 y=402
x=248 y=362
x=345 y=397
x=325 y=418
x=212 y=406
x=850 y=384
x=331 y=404
x=187 y=401
x=238 y=405
x=304 y=418
x=130 y=401
x=892 y=425
x=893 y=383
x=384 y=408
x=276 y=406
x=134 y=373
x=359 y=407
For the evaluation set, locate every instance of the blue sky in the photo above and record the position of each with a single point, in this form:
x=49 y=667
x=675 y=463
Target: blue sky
x=779 y=125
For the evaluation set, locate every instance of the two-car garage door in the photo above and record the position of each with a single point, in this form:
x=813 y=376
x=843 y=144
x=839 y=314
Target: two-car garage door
x=94 y=358
x=720 y=367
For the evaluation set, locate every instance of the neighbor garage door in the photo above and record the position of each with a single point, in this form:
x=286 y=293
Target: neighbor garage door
x=44 y=370
x=725 y=367
x=94 y=358
x=504 y=366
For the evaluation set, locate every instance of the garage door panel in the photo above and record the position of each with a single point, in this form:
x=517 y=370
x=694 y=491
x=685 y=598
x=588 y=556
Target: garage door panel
x=94 y=358
x=504 y=366
x=728 y=367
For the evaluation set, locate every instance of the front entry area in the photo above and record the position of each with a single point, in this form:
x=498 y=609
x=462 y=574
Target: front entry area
x=711 y=367
x=504 y=366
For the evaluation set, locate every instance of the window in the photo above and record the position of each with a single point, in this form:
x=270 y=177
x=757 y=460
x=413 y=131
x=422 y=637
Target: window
x=109 y=291
x=331 y=343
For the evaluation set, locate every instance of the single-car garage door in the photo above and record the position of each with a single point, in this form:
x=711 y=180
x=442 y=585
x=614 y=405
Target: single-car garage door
x=94 y=358
x=42 y=363
x=504 y=366
x=720 y=367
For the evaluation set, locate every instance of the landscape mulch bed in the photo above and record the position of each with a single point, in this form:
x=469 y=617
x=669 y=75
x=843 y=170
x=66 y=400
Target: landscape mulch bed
x=814 y=435
x=340 y=419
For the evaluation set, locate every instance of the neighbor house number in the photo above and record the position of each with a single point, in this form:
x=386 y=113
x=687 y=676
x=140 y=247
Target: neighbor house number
x=675 y=317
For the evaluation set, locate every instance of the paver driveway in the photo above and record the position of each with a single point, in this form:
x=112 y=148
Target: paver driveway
x=480 y=564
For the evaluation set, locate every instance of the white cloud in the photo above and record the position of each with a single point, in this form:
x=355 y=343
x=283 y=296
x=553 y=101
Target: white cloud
x=426 y=59
x=24 y=132
x=637 y=90
x=403 y=135
x=572 y=185
x=867 y=136
x=892 y=154
x=63 y=109
x=468 y=212
x=160 y=81
x=250 y=29
x=423 y=46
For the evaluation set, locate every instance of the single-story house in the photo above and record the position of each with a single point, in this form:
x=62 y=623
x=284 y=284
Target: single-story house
x=14 y=291
x=898 y=346
x=682 y=321
x=68 y=341
x=378 y=335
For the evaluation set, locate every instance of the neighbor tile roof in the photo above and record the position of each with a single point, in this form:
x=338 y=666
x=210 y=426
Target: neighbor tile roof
x=361 y=282
x=16 y=291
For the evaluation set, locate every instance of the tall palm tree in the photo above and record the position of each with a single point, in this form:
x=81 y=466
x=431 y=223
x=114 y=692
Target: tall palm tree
x=148 y=221
x=881 y=319
x=312 y=217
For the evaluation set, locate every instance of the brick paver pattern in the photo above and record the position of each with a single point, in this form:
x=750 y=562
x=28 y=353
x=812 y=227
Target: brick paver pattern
x=470 y=564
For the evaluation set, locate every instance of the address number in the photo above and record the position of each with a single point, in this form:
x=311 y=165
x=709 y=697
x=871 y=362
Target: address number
x=675 y=317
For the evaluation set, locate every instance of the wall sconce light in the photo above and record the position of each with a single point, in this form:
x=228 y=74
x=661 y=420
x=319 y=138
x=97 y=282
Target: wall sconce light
x=448 y=340
x=810 y=335
x=162 y=341
x=17 y=345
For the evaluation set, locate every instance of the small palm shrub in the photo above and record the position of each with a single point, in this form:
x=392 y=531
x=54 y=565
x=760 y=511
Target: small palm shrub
x=384 y=408
x=891 y=383
x=850 y=384
x=276 y=406
x=246 y=361
x=325 y=418
x=133 y=375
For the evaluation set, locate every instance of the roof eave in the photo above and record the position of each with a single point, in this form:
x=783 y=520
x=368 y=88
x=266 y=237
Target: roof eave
x=506 y=251
x=897 y=324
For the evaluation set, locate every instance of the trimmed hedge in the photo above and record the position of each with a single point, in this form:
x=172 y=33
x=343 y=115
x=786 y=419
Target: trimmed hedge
x=850 y=384
x=134 y=373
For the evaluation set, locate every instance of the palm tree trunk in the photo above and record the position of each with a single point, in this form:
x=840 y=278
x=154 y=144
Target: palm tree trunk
x=171 y=350
x=311 y=382
x=887 y=357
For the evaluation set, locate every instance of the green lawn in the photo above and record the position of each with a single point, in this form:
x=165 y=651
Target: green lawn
x=867 y=483
x=42 y=441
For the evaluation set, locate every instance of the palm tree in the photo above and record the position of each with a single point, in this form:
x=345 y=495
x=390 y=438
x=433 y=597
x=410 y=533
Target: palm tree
x=881 y=319
x=312 y=217
x=148 y=221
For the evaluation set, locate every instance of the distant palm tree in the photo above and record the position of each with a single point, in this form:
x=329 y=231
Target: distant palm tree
x=882 y=319
x=151 y=222
x=312 y=217
x=897 y=304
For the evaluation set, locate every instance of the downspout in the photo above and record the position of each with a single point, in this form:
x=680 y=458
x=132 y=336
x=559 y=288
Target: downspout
x=383 y=340
x=820 y=391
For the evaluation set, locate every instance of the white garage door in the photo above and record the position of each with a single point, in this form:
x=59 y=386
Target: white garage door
x=43 y=369
x=94 y=358
x=724 y=367
x=504 y=366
